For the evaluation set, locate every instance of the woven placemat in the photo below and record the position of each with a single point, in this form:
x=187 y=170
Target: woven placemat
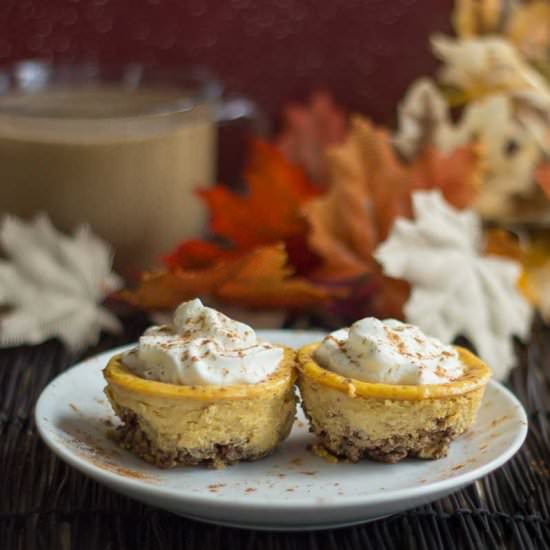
x=46 y=504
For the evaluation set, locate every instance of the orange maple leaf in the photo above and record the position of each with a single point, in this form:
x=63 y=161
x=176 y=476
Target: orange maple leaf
x=370 y=187
x=542 y=177
x=342 y=230
x=166 y=289
x=258 y=279
x=266 y=280
x=499 y=242
x=270 y=210
x=457 y=175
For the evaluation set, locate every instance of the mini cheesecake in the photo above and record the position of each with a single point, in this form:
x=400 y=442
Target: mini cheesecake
x=202 y=391
x=354 y=419
x=169 y=424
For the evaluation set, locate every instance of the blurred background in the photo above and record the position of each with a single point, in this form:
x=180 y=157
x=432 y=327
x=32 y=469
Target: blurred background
x=269 y=52
x=324 y=120
x=365 y=51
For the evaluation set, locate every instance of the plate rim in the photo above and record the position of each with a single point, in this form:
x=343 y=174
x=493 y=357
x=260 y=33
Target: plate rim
x=222 y=501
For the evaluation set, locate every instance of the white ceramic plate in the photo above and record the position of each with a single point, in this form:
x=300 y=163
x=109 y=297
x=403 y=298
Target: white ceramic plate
x=290 y=490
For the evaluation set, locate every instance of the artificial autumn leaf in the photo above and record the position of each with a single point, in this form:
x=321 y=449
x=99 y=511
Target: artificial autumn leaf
x=535 y=283
x=499 y=242
x=510 y=130
x=164 y=289
x=529 y=29
x=542 y=177
x=309 y=130
x=457 y=175
x=456 y=290
x=475 y=17
x=424 y=119
x=525 y=24
x=197 y=254
x=260 y=278
x=342 y=231
x=534 y=257
x=387 y=179
x=270 y=210
x=512 y=150
x=53 y=285
x=370 y=188
x=266 y=280
x=488 y=65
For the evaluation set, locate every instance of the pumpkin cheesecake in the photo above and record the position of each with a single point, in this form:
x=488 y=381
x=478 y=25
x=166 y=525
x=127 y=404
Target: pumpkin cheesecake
x=386 y=391
x=203 y=390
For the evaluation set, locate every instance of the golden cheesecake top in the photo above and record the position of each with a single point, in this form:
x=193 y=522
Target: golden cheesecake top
x=118 y=374
x=476 y=374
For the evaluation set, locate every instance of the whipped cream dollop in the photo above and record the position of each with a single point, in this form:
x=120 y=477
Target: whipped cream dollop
x=389 y=352
x=201 y=347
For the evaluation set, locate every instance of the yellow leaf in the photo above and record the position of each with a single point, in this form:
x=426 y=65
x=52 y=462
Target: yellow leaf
x=476 y=17
x=528 y=27
x=534 y=257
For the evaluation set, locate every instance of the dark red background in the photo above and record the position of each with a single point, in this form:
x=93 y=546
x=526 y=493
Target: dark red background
x=366 y=52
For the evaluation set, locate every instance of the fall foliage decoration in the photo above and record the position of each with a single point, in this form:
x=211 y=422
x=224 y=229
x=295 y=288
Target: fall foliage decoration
x=270 y=210
x=260 y=278
x=325 y=192
x=288 y=244
x=247 y=263
x=533 y=254
x=457 y=289
x=369 y=187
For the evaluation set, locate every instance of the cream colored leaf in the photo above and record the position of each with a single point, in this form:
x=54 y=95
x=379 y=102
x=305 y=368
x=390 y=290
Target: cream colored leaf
x=482 y=68
x=488 y=65
x=424 y=120
x=512 y=153
x=53 y=284
x=512 y=138
x=455 y=289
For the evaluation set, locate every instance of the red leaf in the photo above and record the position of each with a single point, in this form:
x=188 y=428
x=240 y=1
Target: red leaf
x=196 y=254
x=270 y=211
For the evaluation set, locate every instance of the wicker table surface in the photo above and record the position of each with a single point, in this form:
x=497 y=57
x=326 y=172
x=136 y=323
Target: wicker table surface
x=46 y=504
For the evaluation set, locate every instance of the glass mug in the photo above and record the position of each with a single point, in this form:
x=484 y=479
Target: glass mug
x=122 y=149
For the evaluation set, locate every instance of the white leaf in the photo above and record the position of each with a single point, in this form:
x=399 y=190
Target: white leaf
x=455 y=289
x=53 y=284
